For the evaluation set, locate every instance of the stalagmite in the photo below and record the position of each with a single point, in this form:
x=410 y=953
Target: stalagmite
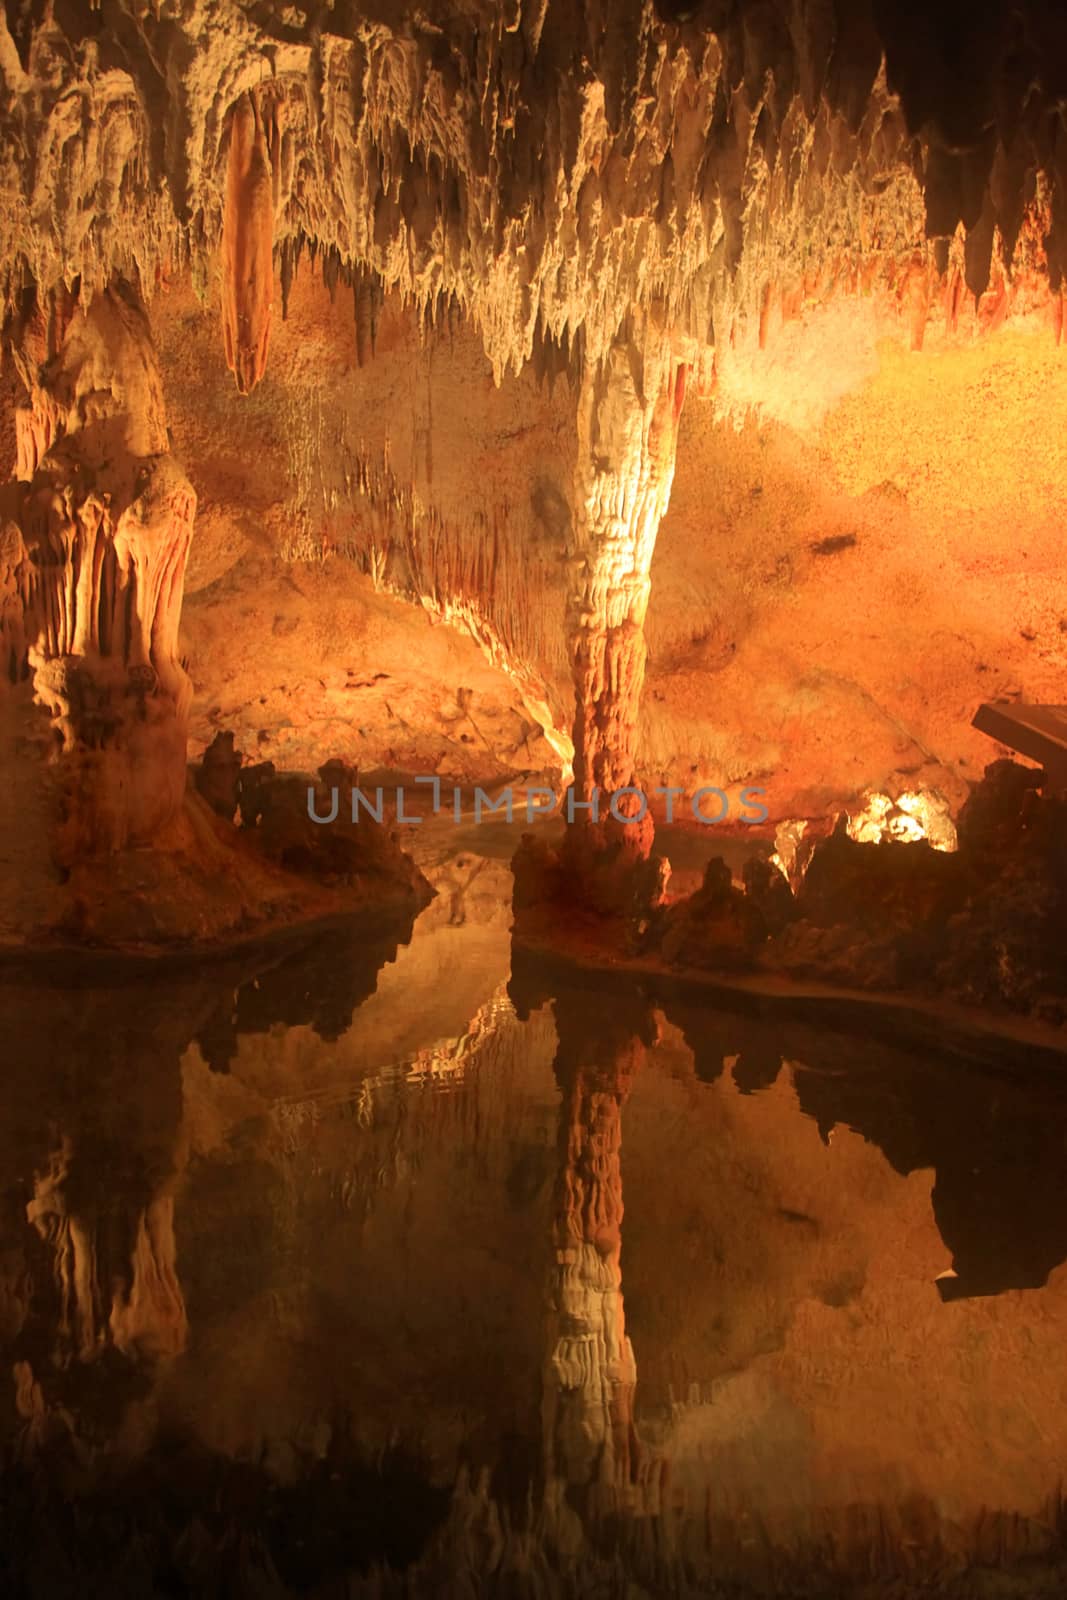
x=95 y=545
x=628 y=414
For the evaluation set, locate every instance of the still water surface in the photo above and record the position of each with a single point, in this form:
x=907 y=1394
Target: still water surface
x=419 y=1255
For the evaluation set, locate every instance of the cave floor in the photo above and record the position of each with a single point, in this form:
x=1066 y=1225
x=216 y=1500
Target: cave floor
x=399 y=1265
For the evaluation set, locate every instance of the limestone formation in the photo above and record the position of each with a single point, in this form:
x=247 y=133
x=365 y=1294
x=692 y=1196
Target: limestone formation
x=94 y=712
x=618 y=401
x=116 y=1277
x=97 y=535
x=591 y=1444
x=550 y=167
x=628 y=415
x=247 y=246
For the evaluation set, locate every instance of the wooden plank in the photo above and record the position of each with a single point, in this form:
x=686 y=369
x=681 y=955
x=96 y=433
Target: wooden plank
x=1037 y=732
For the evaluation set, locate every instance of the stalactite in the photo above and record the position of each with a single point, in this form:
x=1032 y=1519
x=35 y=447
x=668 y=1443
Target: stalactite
x=332 y=271
x=286 y=272
x=366 y=297
x=467 y=572
x=247 y=246
x=674 y=167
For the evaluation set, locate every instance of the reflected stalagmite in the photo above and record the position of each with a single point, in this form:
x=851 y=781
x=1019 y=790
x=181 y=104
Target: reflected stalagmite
x=105 y=1138
x=593 y=1457
x=114 y=1264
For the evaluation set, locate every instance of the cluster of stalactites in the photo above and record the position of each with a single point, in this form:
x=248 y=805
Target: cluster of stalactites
x=95 y=538
x=545 y=166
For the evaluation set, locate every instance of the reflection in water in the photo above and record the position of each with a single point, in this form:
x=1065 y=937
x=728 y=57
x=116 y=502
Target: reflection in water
x=114 y=1260
x=315 y=1262
x=590 y=1377
x=1000 y=1192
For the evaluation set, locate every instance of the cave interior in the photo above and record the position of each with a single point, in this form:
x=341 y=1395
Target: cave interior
x=532 y=546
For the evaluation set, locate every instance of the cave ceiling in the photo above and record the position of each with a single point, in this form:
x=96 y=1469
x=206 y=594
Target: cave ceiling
x=557 y=171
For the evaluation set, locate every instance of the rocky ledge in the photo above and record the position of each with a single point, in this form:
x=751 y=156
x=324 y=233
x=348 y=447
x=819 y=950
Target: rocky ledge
x=979 y=927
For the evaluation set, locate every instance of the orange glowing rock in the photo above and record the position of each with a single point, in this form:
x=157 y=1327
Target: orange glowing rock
x=913 y=815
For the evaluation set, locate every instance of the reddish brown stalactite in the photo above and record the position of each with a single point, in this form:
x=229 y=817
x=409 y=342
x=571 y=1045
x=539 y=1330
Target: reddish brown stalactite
x=365 y=297
x=247 y=247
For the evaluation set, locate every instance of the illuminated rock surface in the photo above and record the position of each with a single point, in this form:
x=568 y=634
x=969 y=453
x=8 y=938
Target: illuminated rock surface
x=798 y=201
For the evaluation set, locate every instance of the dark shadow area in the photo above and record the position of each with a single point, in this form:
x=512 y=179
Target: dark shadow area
x=186 y=1522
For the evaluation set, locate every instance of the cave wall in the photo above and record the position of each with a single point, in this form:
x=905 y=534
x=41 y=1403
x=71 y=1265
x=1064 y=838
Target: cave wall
x=841 y=579
x=861 y=540
x=336 y=499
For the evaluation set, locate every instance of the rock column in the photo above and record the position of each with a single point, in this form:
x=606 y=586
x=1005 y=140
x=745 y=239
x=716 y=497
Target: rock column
x=94 y=539
x=628 y=415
